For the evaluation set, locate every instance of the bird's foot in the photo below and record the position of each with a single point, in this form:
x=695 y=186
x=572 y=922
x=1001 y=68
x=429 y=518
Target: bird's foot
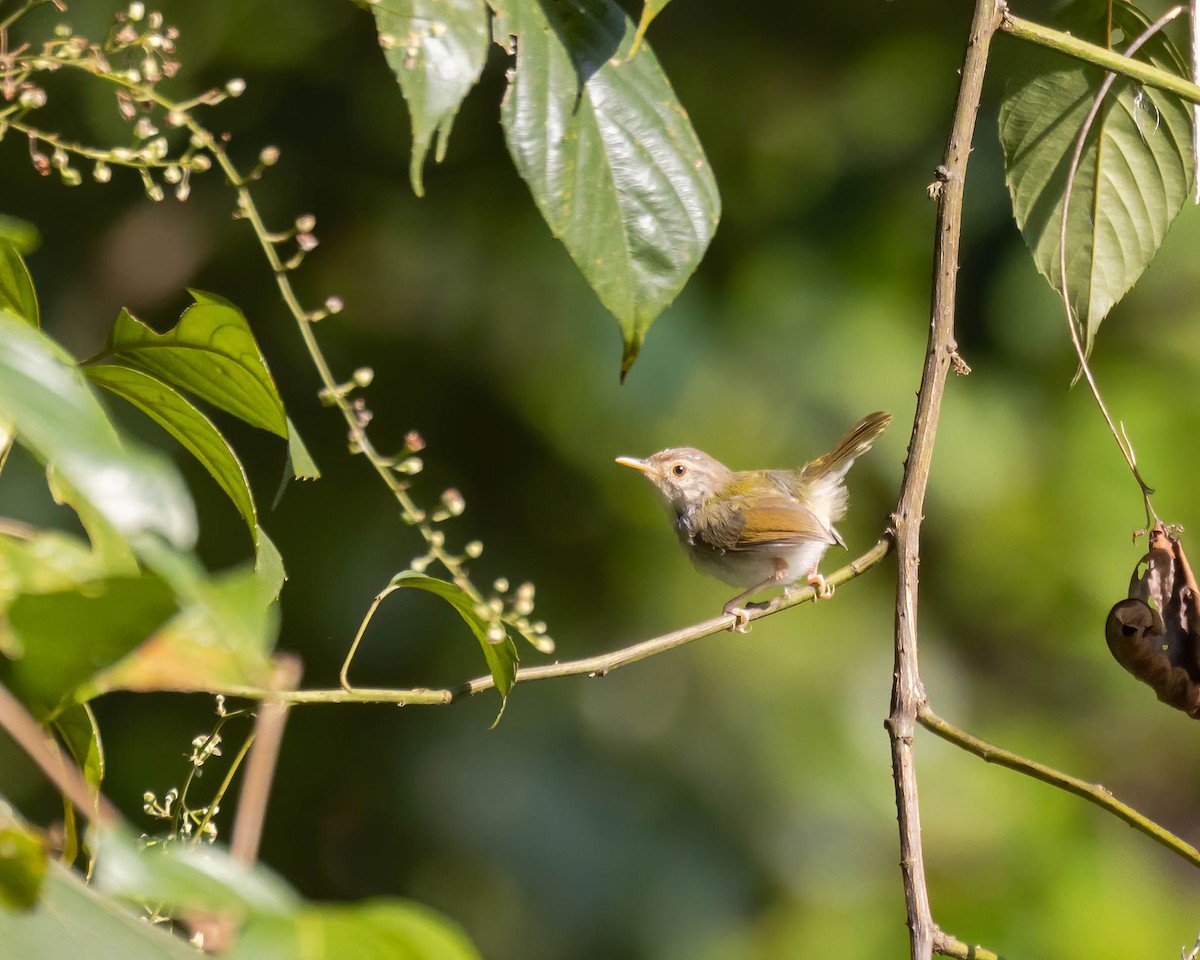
x=741 y=618
x=823 y=589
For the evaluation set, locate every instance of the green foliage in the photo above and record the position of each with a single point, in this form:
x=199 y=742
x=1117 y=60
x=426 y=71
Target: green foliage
x=1134 y=173
x=650 y=10
x=22 y=867
x=70 y=920
x=16 y=286
x=180 y=418
x=609 y=155
x=498 y=647
x=437 y=49
x=47 y=401
x=62 y=639
x=594 y=129
x=211 y=353
x=374 y=930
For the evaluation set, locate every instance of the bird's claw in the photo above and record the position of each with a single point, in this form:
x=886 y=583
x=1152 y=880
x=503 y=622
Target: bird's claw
x=741 y=618
x=823 y=589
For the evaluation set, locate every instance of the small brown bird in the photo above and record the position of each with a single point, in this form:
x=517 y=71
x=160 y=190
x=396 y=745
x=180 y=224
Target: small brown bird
x=756 y=528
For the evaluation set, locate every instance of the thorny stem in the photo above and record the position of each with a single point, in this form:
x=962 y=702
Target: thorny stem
x=1123 y=443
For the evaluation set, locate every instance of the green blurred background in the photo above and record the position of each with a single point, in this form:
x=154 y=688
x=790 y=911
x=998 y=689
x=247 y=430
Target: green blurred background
x=733 y=799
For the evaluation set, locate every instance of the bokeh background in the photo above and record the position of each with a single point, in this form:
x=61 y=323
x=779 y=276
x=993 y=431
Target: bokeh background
x=730 y=800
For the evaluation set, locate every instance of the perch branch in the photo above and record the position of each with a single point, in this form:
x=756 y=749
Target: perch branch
x=1092 y=792
x=908 y=693
x=596 y=666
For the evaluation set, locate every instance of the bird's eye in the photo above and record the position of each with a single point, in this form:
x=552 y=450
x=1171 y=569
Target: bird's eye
x=679 y=469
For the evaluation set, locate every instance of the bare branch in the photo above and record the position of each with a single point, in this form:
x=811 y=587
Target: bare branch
x=1092 y=792
x=908 y=693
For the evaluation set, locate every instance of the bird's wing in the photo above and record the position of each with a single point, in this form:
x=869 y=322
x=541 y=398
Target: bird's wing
x=774 y=520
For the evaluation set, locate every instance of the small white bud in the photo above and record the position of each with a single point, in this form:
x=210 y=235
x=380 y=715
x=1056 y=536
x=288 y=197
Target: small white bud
x=501 y=585
x=137 y=10
x=334 y=304
x=474 y=549
x=102 y=172
x=235 y=87
x=495 y=633
x=268 y=156
x=363 y=376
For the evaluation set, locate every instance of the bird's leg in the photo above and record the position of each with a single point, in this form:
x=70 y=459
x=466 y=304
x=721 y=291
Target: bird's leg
x=734 y=608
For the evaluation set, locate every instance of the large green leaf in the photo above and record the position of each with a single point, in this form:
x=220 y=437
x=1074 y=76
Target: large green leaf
x=223 y=636
x=1134 y=174
x=181 y=876
x=180 y=418
x=501 y=657
x=64 y=638
x=608 y=153
x=16 y=285
x=437 y=49
x=374 y=930
x=211 y=353
x=72 y=921
x=55 y=414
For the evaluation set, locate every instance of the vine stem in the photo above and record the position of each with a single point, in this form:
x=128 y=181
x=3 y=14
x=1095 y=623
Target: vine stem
x=1091 y=792
x=1122 y=441
x=908 y=693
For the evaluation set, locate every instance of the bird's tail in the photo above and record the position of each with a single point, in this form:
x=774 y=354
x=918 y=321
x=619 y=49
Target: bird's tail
x=834 y=465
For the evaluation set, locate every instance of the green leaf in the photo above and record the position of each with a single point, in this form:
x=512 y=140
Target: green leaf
x=72 y=921
x=22 y=867
x=501 y=657
x=55 y=414
x=1134 y=174
x=180 y=418
x=268 y=565
x=184 y=877
x=64 y=638
x=77 y=726
x=609 y=155
x=20 y=233
x=223 y=636
x=437 y=49
x=211 y=353
x=16 y=285
x=300 y=462
x=650 y=10
x=374 y=930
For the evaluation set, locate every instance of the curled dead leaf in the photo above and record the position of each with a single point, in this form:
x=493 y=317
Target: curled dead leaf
x=1153 y=633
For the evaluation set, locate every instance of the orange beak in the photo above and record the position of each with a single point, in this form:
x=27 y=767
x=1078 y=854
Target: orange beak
x=637 y=464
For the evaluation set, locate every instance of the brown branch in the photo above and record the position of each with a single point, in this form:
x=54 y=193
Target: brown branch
x=908 y=693
x=59 y=770
x=1091 y=792
x=260 y=768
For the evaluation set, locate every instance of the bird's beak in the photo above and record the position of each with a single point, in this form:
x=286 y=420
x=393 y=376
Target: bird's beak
x=637 y=464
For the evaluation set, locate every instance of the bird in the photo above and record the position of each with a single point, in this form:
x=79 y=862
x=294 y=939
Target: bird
x=758 y=528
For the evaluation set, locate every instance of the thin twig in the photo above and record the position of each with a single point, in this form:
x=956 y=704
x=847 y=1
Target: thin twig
x=908 y=693
x=596 y=666
x=1092 y=792
x=60 y=771
x=948 y=946
x=1078 y=49
x=1072 y=324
